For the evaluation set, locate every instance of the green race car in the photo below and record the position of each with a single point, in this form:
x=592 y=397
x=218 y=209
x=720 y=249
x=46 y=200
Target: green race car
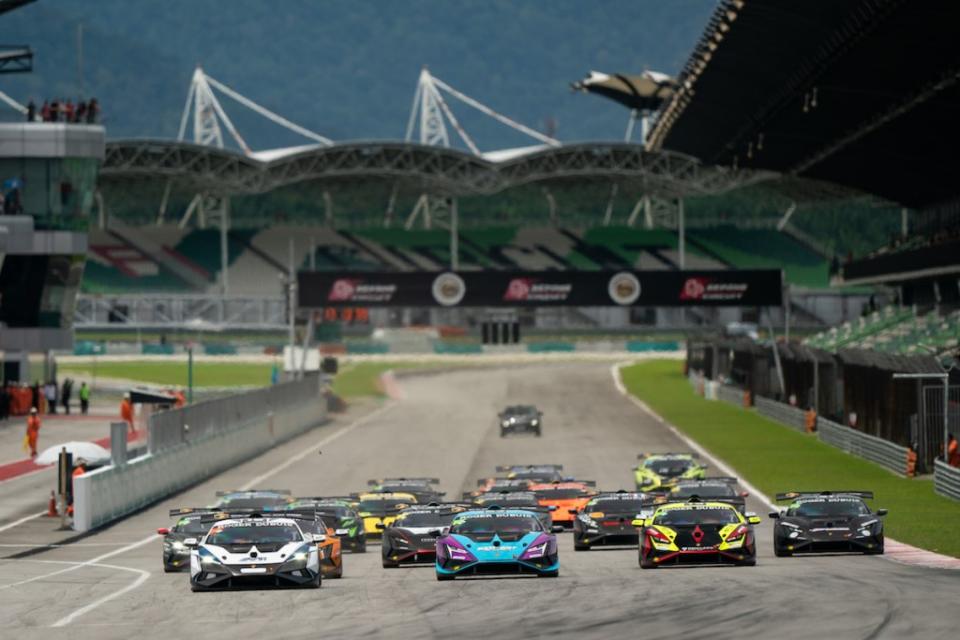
x=660 y=472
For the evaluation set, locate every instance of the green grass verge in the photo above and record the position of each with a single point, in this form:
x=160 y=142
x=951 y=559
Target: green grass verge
x=775 y=458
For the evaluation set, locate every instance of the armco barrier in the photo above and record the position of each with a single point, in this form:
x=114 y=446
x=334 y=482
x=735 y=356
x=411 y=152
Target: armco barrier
x=111 y=492
x=946 y=480
x=883 y=452
x=783 y=413
x=730 y=394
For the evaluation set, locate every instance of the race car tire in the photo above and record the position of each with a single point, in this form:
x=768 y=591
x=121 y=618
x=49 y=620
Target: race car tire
x=752 y=562
x=391 y=565
x=581 y=547
x=875 y=552
x=315 y=583
x=339 y=573
x=647 y=564
x=443 y=578
x=361 y=548
x=781 y=552
x=549 y=574
x=538 y=433
x=167 y=569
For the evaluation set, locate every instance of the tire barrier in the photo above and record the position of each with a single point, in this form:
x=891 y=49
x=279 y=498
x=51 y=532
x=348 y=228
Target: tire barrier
x=111 y=492
x=885 y=453
x=946 y=480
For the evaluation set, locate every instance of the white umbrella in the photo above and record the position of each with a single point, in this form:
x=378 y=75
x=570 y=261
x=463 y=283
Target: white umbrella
x=89 y=451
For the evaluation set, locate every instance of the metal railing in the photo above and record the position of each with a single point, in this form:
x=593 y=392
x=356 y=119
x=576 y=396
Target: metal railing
x=790 y=416
x=733 y=395
x=946 y=480
x=178 y=426
x=885 y=453
x=188 y=311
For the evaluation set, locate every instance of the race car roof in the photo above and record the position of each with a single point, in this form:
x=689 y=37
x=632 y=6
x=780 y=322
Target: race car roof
x=621 y=495
x=668 y=456
x=793 y=495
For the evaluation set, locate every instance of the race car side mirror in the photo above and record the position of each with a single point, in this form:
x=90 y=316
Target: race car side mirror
x=552 y=507
x=744 y=494
x=191 y=542
x=319 y=537
x=882 y=512
x=556 y=529
x=754 y=519
x=381 y=526
x=162 y=531
x=572 y=512
x=436 y=533
x=775 y=515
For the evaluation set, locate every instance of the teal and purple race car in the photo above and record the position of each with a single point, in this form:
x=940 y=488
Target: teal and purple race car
x=497 y=541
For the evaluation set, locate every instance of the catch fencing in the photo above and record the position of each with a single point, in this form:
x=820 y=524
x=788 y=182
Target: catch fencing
x=178 y=426
x=783 y=413
x=885 y=453
x=946 y=480
x=211 y=445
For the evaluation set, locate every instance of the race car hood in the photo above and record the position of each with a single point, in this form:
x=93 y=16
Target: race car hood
x=496 y=549
x=252 y=555
x=831 y=528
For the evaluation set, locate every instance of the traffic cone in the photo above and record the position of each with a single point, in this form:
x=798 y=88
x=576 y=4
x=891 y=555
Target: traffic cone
x=52 y=506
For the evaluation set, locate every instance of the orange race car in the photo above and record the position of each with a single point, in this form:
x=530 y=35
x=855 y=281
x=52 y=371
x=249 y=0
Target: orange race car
x=566 y=497
x=328 y=544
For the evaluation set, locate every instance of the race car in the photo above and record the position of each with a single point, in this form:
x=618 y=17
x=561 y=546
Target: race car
x=183 y=536
x=423 y=488
x=486 y=485
x=338 y=513
x=412 y=537
x=564 y=497
x=262 y=499
x=381 y=508
x=526 y=500
x=659 y=472
x=827 y=521
x=497 y=541
x=607 y=519
x=328 y=544
x=697 y=532
x=723 y=489
x=520 y=419
x=256 y=551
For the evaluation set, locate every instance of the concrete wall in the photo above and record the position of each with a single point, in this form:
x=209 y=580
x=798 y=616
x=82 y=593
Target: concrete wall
x=109 y=493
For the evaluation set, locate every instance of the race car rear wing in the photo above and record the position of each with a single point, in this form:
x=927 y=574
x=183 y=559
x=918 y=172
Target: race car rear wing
x=790 y=495
x=375 y=482
x=282 y=492
x=525 y=467
x=186 y=511
x=307 y=514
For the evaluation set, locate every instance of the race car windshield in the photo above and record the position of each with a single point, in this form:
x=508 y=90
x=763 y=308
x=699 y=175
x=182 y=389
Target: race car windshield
x=278 y=534
x=706 y=491
x=617 y=506
x=545 y=476
x=253 y=503
x=501 y=526
x=667 y=467
x=560 y=494
x=194 y=525
x=680 y=517
x=829 y=509
x=519 y=412
x=509 y=502
x=425 y=520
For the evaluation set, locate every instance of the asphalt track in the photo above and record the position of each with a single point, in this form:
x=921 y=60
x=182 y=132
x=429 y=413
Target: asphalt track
x=110 y=584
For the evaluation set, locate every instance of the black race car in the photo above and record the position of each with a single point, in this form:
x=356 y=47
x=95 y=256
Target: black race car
x=534 y=472
x=260 y=499
x=827 y=521
x=494 y=485
x=526 y=500
x=723 y=488
x=608 y=519
x=520 y=419
x=342 y=517
x=412 y=537
x=183 y=536
x=423 y=488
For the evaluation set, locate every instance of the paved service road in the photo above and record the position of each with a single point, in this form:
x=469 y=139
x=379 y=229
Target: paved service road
x=444 y=427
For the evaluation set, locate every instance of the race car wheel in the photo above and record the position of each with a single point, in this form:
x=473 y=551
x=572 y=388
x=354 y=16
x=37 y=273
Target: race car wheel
x=538 y=432
x=361 y=548
x=549 y=574
x=167 y=569
x=503 y=433
x=443 y=578
x=315 y=583
x=781 y=552
x=646 y=564
x=581 y=547
x=752 y=562
x=876 y=552
x=390 y=565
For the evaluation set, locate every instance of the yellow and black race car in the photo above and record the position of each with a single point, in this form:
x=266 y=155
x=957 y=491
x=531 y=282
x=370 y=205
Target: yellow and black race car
x=659 y=472
x=381 y=509
x=695 y=532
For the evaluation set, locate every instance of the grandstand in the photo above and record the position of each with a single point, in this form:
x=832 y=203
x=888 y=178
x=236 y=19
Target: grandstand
x=892 y=330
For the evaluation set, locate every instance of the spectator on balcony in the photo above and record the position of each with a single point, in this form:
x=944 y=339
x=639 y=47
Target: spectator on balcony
x=45 y=111
x=31 y=111
x=69 y=112
x=82 y=112
x=93 y=110
x=55 y=111
x=953 y=451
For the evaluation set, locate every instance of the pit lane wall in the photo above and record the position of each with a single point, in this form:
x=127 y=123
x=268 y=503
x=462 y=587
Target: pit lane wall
x=215 y=444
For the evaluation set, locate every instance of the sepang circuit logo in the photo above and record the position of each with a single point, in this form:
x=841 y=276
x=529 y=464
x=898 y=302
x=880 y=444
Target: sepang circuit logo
x=532 y=290
x=356 y=290
x=707 y=290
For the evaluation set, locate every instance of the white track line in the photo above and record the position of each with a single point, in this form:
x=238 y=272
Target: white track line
x=17 y=523
x=311 y=450
x=719 y=464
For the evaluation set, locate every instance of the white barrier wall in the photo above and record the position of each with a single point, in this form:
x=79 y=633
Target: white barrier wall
x=111 y=492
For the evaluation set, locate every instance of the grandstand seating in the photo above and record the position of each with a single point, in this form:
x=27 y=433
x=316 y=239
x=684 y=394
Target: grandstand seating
x=895 y=331
x=165 y=259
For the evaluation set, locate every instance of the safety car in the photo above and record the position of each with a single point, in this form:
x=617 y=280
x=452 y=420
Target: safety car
x=261 y=499
x=520 y=419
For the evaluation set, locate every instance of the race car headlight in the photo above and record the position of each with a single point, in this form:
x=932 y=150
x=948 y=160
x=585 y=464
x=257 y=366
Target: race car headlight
x=534 y=422
x=864 y=533
x=207 y=557
x=536 y=551
x=585 y=518
x=342 y=532
x=505 y=423
x=789 y=526
x=178 y=546
x=456 y=552
x=298 y=559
